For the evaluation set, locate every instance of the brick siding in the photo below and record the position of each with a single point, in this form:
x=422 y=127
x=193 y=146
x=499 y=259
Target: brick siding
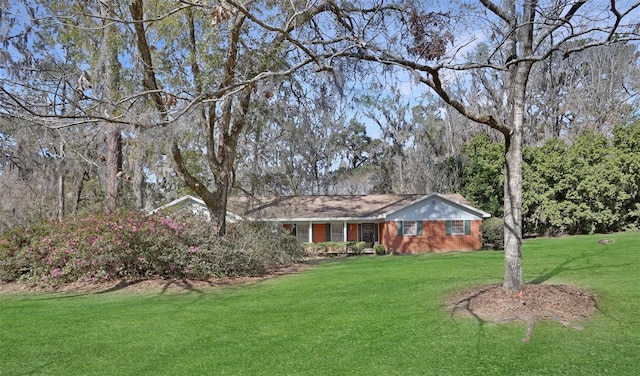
x=433 y=238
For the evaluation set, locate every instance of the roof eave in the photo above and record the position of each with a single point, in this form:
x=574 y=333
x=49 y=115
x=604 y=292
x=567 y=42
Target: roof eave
x=176 y=202
x=196 y=200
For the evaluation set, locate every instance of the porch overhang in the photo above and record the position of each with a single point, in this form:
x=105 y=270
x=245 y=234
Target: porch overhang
x=321 y=219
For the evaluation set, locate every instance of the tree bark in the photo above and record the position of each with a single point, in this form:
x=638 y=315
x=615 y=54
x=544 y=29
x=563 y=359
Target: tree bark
x=513 y=276
x=79 y=190
x=110 y=72
x=114 y=165
x=518 y=77
x=138 y=178
x=61 y=190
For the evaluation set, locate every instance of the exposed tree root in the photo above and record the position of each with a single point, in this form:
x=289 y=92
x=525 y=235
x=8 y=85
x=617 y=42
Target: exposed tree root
x=492 y=304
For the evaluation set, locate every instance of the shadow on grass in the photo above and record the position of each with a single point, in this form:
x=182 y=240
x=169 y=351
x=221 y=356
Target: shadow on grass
x=150 y=287
x=565 y=267
x=184 y=284
x=562 y=267
x=119 y=286
x=167 y=286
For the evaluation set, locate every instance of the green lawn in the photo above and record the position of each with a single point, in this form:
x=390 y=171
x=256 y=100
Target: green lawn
x=359 y=316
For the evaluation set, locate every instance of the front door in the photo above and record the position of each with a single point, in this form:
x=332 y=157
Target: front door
x=368 y=233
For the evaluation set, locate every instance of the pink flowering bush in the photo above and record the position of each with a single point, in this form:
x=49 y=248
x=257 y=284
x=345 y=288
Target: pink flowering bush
x=134 y=246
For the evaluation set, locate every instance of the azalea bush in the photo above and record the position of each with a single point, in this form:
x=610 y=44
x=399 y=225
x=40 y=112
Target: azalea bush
x=132 y=245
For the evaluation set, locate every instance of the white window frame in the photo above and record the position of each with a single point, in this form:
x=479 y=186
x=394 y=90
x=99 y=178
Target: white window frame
x=409 y=227
x=457 y=227
x=302 y=232
x=337 y=232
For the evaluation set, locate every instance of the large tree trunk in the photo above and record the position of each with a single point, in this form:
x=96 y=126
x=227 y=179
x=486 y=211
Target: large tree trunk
x=517 y=88
x=513 y=275
x=513 y=278
x=110 y=76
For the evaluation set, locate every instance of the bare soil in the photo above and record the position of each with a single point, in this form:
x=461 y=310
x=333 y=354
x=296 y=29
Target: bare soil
x=568 y=305
x=146 y=286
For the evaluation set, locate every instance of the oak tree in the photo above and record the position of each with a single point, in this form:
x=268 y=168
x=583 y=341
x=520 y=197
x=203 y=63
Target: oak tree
x=520 y=35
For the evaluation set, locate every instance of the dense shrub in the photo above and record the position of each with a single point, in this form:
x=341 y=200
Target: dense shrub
x=493 y=233
x=357 y=247
x=131 y=245
x=590 y=185
x=379 y=249
x=336 y=248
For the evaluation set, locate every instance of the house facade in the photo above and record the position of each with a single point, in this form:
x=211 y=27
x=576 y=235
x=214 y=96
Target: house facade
x=409 y=223
x=403 y=224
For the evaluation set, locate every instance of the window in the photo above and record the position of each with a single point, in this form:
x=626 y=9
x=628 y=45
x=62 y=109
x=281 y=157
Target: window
x=409 y=228
x=302 y=232
x=337 y=232
x=458 y=227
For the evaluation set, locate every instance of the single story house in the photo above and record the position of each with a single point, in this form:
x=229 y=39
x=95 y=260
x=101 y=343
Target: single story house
x=402 y=223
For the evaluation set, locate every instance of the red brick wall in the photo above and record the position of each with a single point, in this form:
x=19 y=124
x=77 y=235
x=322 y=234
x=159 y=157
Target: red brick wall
x=433 y=238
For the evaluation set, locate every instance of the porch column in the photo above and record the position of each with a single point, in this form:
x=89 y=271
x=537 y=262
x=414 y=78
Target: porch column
x=344 y=231
x=310 y=232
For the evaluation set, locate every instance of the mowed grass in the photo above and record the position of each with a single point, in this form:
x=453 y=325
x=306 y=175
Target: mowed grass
x=357 y=316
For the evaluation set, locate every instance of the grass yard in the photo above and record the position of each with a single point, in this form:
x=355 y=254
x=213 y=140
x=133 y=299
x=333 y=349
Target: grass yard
x=357 y=316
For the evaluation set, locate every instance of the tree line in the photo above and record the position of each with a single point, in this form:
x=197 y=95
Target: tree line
x=590 y=185
x=108 y=104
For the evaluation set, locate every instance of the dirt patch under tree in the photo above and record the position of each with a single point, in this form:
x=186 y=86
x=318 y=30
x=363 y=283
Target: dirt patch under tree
x=565 y=304
x=147 y=286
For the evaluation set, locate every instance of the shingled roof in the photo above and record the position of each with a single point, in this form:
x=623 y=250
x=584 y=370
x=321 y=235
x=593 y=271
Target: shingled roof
x=339 y=207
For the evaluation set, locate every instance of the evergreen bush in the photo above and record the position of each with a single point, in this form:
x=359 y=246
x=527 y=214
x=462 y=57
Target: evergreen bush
x=379 y=249
x=493 y=233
